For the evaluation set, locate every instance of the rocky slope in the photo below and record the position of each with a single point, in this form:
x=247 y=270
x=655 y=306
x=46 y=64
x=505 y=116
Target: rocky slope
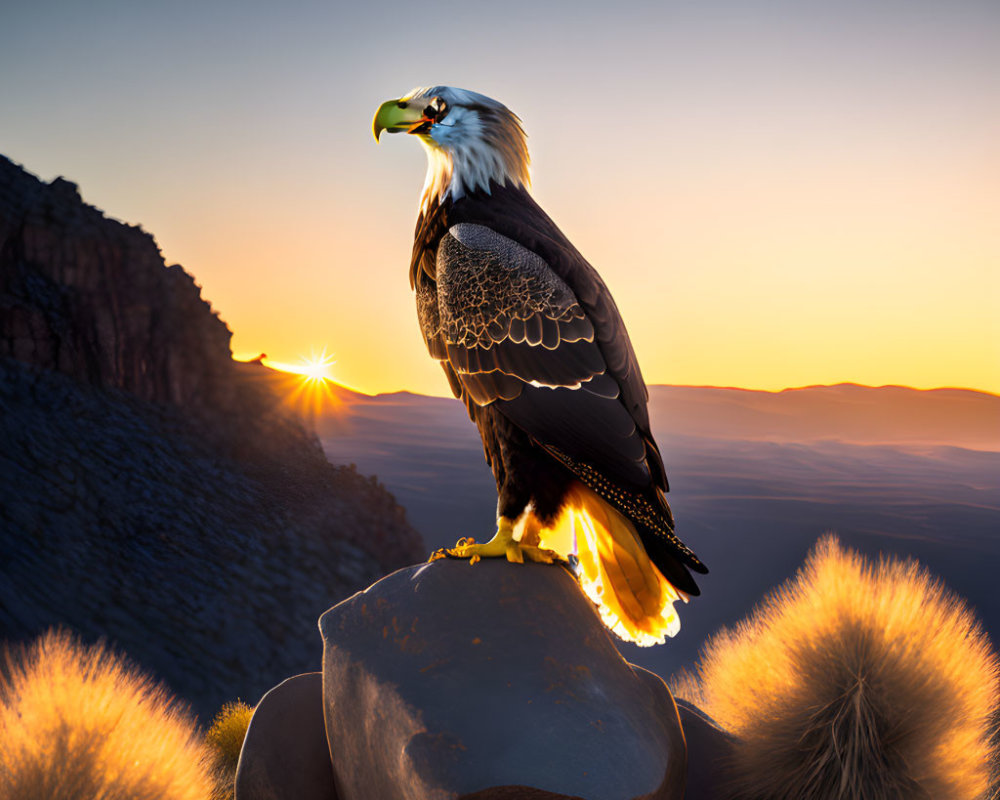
x=152 y=490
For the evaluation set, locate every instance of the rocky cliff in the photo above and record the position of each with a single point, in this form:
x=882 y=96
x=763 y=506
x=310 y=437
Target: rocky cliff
x=152 y=490
x=90 y=297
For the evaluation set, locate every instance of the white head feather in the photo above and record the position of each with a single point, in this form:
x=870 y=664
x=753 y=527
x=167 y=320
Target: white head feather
x=475 y=142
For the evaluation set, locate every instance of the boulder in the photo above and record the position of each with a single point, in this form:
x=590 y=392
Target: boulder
x=710 y=774
x=490 y=681
x=285 y=755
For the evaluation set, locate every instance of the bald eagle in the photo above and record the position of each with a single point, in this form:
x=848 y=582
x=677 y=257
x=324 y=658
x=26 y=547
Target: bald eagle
x=532 y=343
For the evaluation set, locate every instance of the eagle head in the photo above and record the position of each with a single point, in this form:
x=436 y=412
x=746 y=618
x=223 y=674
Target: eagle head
x=471 y=139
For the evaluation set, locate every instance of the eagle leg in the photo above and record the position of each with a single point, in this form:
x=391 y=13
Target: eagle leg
x=503 y=544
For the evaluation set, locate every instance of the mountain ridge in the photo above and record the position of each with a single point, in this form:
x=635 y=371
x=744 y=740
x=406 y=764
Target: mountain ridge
x=787 y=389
x=845 y=412
x=153 y=492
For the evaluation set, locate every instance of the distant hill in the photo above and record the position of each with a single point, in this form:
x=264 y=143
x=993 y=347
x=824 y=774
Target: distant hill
x=153 y=491
x=755 y=477
x=846 y=413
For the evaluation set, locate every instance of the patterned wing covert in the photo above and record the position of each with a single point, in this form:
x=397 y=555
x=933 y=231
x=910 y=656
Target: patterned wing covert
x=514 y=334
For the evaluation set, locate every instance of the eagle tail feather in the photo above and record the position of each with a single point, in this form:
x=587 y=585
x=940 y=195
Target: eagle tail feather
x=634 y=599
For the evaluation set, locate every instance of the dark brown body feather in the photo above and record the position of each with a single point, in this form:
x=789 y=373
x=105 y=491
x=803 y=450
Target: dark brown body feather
x=533 y=344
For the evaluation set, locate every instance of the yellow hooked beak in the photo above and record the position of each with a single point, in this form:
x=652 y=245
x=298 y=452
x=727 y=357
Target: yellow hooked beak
x=396 y=116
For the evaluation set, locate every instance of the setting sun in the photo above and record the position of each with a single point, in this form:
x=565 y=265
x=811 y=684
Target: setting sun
x=309 y=388
x=313 y=368
x=317 y=370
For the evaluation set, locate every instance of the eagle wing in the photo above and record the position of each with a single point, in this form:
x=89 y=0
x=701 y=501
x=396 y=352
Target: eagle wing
x=511 y=332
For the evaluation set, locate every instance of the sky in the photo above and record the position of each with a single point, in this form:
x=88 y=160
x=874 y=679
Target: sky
x=777 y=194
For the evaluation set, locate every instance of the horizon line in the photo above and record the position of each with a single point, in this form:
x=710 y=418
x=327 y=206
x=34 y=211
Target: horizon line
x=803 y=387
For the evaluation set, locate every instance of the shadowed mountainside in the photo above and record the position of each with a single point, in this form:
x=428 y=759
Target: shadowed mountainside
x=152 y=490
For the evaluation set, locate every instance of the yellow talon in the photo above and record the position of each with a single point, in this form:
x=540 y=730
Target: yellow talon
x=502 y=544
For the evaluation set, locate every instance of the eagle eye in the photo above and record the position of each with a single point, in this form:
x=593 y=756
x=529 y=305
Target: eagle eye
x=436 y=109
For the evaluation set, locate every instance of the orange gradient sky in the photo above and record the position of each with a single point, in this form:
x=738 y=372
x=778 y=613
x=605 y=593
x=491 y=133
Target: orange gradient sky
x=777 y=193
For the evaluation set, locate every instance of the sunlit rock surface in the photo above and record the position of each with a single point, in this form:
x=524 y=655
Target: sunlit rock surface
x=490 y=681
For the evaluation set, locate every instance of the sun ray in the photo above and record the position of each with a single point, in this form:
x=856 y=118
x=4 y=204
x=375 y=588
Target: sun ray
x=312 y=390
x=315 y=367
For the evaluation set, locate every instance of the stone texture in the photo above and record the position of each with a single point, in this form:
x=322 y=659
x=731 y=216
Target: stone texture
x=285 y=755
x=709 y=749
x=91 y=297
x=490 y=681
x=153 y=491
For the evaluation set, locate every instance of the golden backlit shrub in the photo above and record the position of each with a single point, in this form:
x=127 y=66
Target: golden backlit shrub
x=854 y=680
x=225 y=740
x=78 y=722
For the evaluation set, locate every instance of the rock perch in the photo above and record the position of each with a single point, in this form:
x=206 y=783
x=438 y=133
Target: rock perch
x=447 y=680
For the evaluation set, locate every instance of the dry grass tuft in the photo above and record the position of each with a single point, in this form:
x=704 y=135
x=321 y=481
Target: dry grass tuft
x=855 y=681
x=78 y=722
x=225 y=739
